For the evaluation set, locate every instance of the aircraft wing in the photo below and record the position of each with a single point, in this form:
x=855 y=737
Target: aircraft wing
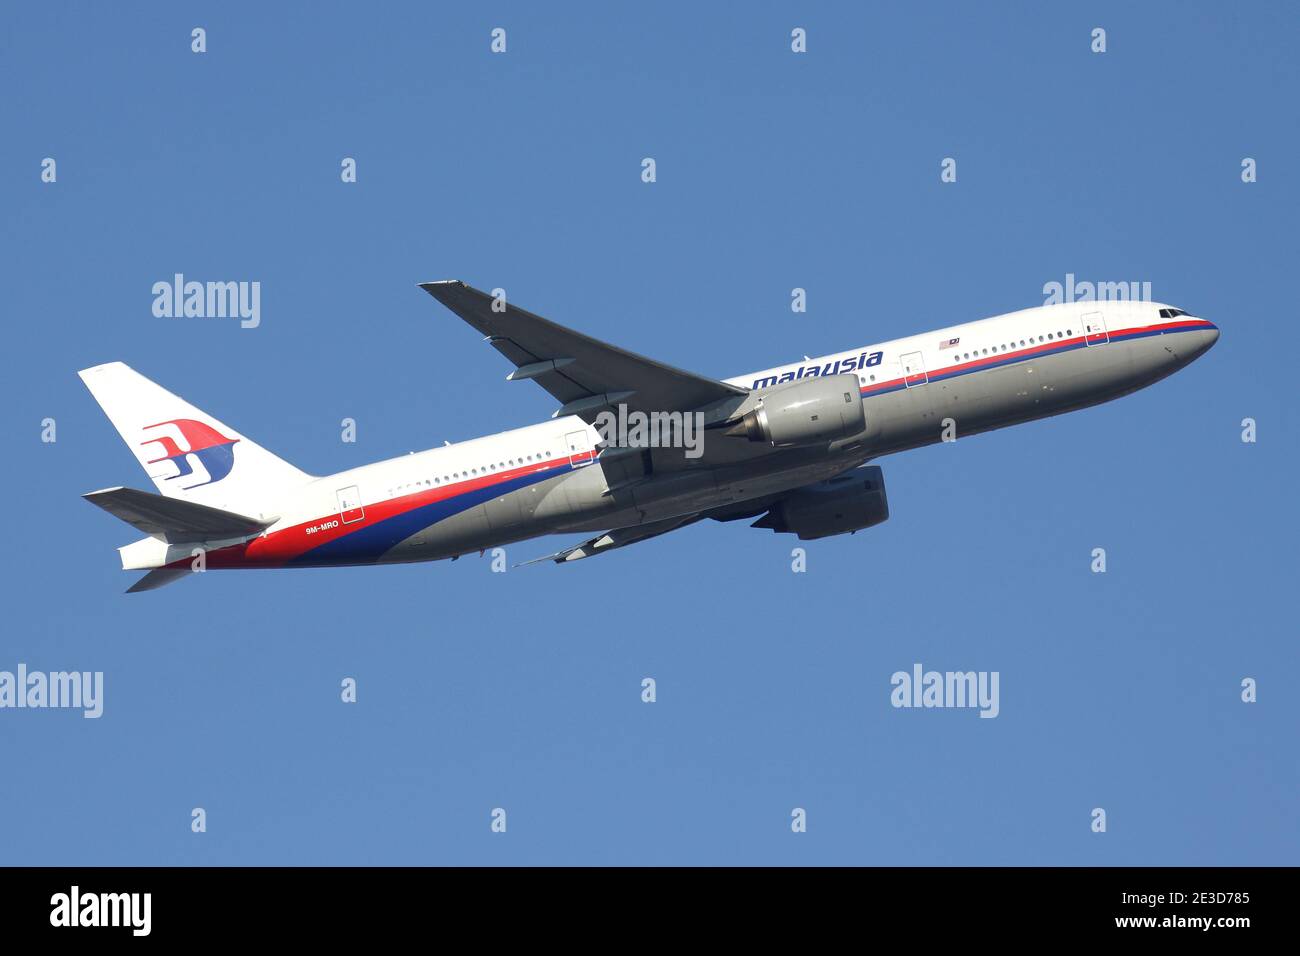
x=618 y=538
x=585 y=374
x=622 y=537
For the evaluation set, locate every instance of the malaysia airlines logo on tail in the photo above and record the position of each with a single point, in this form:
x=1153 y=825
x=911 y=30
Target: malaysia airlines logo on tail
x=214 y=450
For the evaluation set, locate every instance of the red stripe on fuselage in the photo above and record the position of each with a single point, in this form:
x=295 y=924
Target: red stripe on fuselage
x=273 y=550
x=1039 y=349
x=278 y=547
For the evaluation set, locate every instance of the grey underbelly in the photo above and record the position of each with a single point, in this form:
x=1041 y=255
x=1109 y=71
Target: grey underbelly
x=908 y=418
x=1019 y=392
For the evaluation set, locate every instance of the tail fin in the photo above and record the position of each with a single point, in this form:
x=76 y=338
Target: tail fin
x=188 y=454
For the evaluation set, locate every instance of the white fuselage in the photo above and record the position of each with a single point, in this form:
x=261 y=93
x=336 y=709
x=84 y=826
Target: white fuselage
x=536 y=480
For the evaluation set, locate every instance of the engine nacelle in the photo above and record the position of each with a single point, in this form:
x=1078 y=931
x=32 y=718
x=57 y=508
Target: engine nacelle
x=844 y=504
x=805 y=412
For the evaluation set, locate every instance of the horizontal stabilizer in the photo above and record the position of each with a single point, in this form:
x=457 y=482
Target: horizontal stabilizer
x=174 y=520
x=157 y=579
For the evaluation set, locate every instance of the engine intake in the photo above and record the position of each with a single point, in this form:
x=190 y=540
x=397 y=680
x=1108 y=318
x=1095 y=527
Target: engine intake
x=806 y=412
x=845 y=504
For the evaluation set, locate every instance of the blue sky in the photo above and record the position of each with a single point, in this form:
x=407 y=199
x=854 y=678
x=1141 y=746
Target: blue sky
x=775 y=170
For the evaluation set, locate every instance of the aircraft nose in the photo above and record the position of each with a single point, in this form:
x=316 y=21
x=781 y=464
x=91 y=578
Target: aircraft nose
x=1208 y=337
x=1202 y=340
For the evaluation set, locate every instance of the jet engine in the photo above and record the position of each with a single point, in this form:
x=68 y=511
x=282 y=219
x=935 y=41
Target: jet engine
x=843 y=504
x=805 y=412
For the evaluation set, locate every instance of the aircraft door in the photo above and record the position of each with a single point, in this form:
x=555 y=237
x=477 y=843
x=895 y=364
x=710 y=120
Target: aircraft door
x=578 y=448
x=350 y=509
x=1094 y=329
x=914 y=373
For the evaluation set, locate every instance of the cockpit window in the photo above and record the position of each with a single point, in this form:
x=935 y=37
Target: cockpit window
x=1171 y=313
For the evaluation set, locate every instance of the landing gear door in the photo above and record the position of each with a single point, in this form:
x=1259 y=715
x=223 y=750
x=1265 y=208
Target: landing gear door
x=578 y=448
x=913 y=369
x=350 y=509
x=1094 y=329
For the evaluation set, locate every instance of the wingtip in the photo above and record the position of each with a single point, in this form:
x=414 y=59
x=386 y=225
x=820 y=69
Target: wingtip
x=91 y=495
x=439 y=284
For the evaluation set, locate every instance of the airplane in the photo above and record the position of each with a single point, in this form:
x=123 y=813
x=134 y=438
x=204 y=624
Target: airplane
x=788 y=445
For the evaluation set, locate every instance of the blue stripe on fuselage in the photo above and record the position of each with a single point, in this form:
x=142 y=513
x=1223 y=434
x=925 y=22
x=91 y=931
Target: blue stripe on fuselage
x=942 y=374
x=370 y=543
